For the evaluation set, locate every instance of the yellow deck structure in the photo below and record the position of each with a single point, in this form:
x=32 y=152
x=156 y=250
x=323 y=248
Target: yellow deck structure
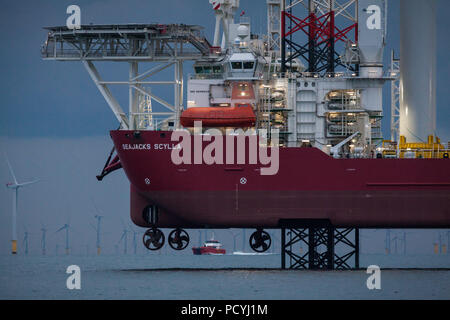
x=432 y=149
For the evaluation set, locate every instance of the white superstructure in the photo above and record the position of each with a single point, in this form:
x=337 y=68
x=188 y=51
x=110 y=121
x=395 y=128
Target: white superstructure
x=314 y=98
x=308 y=108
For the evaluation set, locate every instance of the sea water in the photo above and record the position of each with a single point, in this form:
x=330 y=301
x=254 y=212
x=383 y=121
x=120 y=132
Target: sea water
x=183 y=276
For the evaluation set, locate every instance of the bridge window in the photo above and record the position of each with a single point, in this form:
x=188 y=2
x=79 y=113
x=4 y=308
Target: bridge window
x=249 y=65
x=198 y=69
x=236 y=65
x=207 y=69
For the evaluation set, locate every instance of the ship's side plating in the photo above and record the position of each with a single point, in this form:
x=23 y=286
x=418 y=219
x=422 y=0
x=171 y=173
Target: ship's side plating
x=309 y=185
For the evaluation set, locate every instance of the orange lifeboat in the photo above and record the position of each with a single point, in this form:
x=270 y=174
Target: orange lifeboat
x=240 y=116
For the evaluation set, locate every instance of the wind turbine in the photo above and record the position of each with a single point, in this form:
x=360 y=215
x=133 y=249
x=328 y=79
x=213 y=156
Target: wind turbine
x=387 y=241
x=135 y=233
x=67 y=228
x=25 y=240
x=99 y=218
x=134 y=241
x=448 y=242
x=234 y=235
x=15 y=186
x=124 y=238
x=199 y=238
x=403 y=241
x=43 y=242
x=395 y=239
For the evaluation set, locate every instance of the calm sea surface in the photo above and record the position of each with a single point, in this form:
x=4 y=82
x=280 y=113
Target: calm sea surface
x=184 y=276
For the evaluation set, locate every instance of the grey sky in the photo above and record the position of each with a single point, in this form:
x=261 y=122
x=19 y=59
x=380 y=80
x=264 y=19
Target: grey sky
x=50 y=99
x=54 y=123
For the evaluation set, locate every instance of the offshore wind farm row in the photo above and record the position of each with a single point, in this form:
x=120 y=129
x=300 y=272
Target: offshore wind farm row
x=395 y=240
x=118 y=238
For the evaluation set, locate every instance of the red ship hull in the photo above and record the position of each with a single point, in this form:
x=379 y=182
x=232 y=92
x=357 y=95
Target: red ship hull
x=364 y=193
x=207 y=250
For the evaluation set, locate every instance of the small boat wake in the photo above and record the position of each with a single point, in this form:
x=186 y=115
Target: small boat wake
x=240 y=253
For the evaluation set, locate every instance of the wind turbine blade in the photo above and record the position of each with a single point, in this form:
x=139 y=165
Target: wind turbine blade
x=121 y=238
x=62 y=228
x=11 y=170
x=29 y=182
x=96 y=208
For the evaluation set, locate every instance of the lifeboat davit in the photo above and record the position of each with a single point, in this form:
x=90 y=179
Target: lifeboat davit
x=240 y=116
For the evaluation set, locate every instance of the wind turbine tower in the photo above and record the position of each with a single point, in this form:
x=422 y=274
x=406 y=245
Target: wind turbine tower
x=403 y=240
x=15 y=186
x=99 y=218
x=234 y=235
x=25 y=240
x=65 y=227
x=448 y=242
x=134 y=239
x=387 y=241
x=43 y=242
x=124 y=238
x=395 y=239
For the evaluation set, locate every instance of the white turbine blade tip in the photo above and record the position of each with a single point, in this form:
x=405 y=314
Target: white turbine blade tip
x=28 y=183
x=11 y=169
